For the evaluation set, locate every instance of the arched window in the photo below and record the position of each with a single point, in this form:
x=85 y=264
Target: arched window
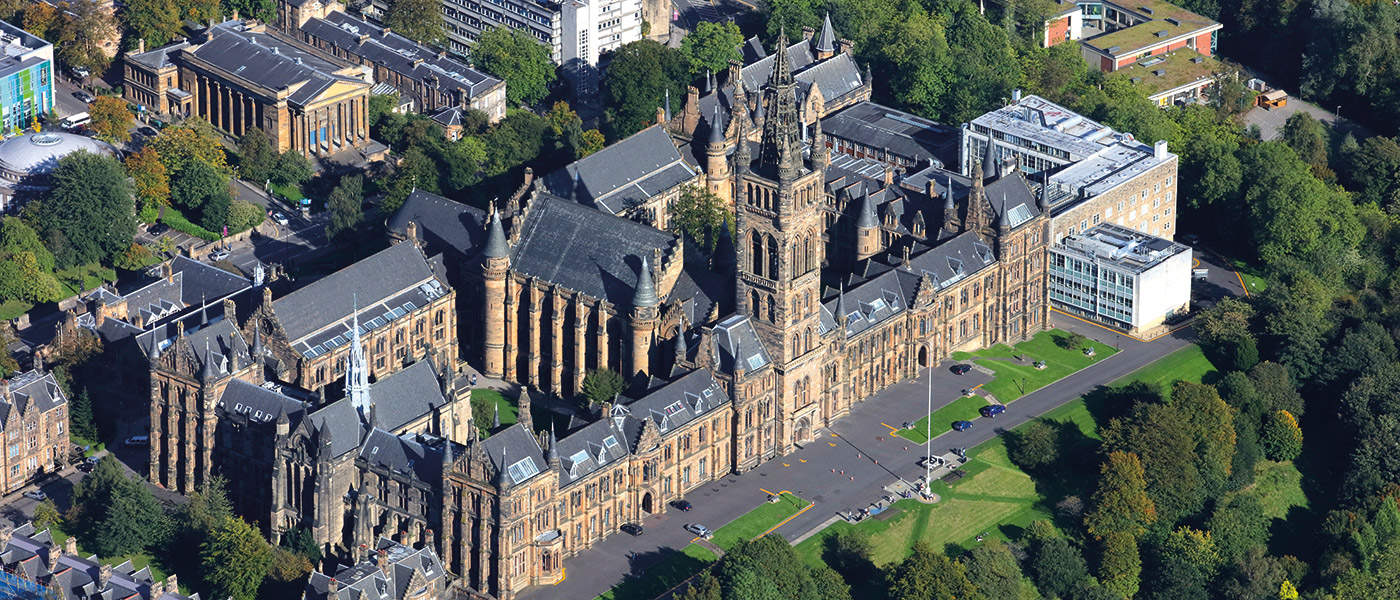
x=754 y=304
x=772 y=257
x=756 y=254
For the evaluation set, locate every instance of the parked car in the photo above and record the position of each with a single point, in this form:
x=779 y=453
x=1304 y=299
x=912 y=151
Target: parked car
x=962 y=425
x=157 y=229
x=138 y=440
x=681 y=504
x=634 y=529
x=148 y=131
x=280 y=218
x=699 y=530
x=992 y=410
x=36 y=495
x=961 y=368
x=218 y=255
x=87 y=465
x=84 y=96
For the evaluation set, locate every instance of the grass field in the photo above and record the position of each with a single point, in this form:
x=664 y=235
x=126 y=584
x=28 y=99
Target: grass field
x=84 y=277
x=679 y=566
x=11 y=309
x=1278 y=486
x=997 y=498
x=485 y=402
x=1015 y=379
x=962 y=409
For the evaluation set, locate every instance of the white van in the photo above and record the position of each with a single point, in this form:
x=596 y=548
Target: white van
x=72 y=121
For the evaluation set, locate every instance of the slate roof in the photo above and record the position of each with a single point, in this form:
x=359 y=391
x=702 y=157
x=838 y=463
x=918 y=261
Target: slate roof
x=29 y=553
x=835 y=76
x=394 y=282
x=590 y=448
x=623 y=174
x=367 y=581
x=399 y=54
x=1012 y=195
x=736 y=331
x=442 y=223
x=260 y=404
x=903 y=133
x=225 y=341
x=400 y=398
x=517 y=448
x=31 y=389
x=681 y=401
x=159 y=57
x=403 y=454
x=584 y=250
x=271 y=62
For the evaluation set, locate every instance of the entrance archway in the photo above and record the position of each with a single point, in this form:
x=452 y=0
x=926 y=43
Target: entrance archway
x=923 y=356
x=803 y=431
x=646 y=503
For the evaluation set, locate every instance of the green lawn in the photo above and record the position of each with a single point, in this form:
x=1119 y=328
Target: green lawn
x=962 y=409
x=1186 y=364
x=997 y=499
x=679 y=566
x=1252 y=280
x=484 y=403
x=1278 y=486
x=1015 y=379
x=84 y=277
x=12 y=309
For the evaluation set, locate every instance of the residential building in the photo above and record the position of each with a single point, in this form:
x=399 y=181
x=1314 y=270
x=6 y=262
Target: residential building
x=1120 y=277
x=34 y=418
x=1091 y=172
x=393 y=572
x=38 y=566
x=426 y=78
x=241 y=77
x=26 y=78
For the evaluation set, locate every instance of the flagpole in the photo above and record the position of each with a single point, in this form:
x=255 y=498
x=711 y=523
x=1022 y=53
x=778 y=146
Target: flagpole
x=928 y=432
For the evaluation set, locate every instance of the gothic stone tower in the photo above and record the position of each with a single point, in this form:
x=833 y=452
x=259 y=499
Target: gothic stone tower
x=780 y=226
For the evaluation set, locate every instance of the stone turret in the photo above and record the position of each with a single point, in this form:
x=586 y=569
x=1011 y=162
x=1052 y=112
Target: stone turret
x=867 y=229
x=644 y=318
x=825 y=45
x=495 y=264
x=716 y=163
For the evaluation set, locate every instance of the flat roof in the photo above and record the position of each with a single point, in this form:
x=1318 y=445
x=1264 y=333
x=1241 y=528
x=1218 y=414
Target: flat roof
x=1109 y=168
x=1173 y=70
x=1041 y=121
x=14 y=36
x=1121 y=247
x=1162 y=21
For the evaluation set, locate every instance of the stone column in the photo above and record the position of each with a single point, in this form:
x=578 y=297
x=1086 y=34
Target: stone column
x=512 y=328
x=206 y=450
x=580 y=343
x=558 y=304
x=188 y=451
x=172 y=441
x=603 y=336
x=201 y=102
x=533 y=358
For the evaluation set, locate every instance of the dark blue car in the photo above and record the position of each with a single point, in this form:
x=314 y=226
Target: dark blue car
x=962 y=425
x=992 y=410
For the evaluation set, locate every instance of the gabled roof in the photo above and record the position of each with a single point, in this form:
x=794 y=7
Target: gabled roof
x=674 y=404
x=367 y=581
x=160 y=57
x=31 y=389
x=442 y=223
x=399 y=399
x=623 y=174
x=403 y=454
x=583 y=249
x=399 y=54
x=271 y=62
x=29 y=553
x=393 y=281
x=904 y=134
x=736 y=333
x=223 y=340
x=515 y=447
x=260 y=404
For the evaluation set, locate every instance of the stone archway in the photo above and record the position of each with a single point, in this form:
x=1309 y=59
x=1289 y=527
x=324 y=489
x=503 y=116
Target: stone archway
x=803 y=431
x=923 y=356
x=646 y=503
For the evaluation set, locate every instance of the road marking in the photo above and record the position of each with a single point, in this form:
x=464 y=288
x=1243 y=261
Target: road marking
x=765 y=491
x=786 y=465
x=802 y=460
x=785 y=521
x=1242 y=285
x=834 y=435
x=888 y=427
x=833 y=445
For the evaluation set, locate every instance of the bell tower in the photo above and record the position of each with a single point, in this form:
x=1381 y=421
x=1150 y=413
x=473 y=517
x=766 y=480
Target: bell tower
x=778 y=201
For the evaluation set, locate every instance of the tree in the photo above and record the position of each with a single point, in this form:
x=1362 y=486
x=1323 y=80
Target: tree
x=80 y=419
x=243 y=216
x=1281 y=437
x=45 y=515
x=602 y=385
x=21 y=278
x=118 y=515
x=156 y=21
x=1034 y=446
x=292 y=169
x=1163 y=438
x=199 y=11
x=257 y=158
x=519 y=60
x=193 y=140
x=41 y=19
x=150 y=180
x=699 y=213
x=1238 y=527
x=90 y=205
x=1056 y=566
x=17 y=236
x=983 y=64
x=994 y=571
x=711 y=46
x=195 y=184
x=1213 y=422
x=636 y=81
x=418 y=20
x=215 y=213
x=1120 y=565
x=590 y=141
x=262 y=10
x=1308 y=138
x=1121 y=504
x=1185 y=545
x=1293 y=214
x=235 y=559
x=913 y=50
x=849 y=552
x=82 y=29
x=1373 y=171
x=790 y=16
x=381 y=105
x=927 y=574
x=110 y=118
x=344 y=205
x=416 y=170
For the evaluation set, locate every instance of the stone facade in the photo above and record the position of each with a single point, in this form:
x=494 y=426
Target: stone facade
x=35 y=428
x=1146 y=203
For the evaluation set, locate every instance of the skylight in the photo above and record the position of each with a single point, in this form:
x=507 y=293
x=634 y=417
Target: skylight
x=522 y=470
x=610 y=442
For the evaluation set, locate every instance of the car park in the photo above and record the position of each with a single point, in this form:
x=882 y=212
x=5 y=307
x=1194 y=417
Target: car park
x=699 y=530
x=683 y=505
x=992 y=410
x=633 y=529
x=962 y=425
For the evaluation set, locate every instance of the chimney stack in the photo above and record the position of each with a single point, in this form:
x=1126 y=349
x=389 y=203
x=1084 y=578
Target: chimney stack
x=141 y=46
x=70 y=546
x=807 y=33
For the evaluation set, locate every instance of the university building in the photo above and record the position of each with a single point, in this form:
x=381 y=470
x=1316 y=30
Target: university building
x=26 y=78
x=34 y=420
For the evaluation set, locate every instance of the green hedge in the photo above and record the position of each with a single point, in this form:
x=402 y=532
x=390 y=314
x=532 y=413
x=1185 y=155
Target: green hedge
x=178 y=222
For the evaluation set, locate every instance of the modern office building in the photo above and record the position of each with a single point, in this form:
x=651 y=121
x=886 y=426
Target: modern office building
x=1092 y=173
x=1120 y=277
x=26 y=78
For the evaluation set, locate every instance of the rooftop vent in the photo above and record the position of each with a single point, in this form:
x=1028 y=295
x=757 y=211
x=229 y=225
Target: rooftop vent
x=1137 y=80
x=1157 y=72
x=1113 y=49
x=1198 y=59
x=1162 y=33
x=1174 y=21
x=1146 y=9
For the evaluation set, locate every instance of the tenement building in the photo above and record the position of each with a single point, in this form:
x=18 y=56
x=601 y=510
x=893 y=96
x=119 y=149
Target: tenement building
x=34 y=419
x=1093 y=173
x=843 y=276
x=241 y=77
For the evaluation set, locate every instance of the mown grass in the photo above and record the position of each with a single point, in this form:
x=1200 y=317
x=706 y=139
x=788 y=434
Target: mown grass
x=1017 y=378
x=962 y=409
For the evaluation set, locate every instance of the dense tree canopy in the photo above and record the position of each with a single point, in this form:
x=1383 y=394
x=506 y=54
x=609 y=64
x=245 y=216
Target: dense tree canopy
x=418 y=20
x=519 y=59
x=636 y=81
x=89 y=215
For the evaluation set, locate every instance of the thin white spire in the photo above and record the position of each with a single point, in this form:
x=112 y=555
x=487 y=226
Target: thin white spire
x=356 y=373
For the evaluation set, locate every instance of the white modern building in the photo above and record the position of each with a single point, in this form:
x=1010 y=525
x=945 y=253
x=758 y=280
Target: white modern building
x=1120 y=277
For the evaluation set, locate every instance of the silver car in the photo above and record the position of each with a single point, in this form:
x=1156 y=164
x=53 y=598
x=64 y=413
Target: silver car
x=699 y=530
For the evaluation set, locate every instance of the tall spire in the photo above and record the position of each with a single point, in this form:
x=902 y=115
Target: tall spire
x=207 y=372
x=780 y=151
x=523 y=411
x=645 y=295
x=495 y=237
x=950 y=210
x=826 y=42
x=991 y=167
x=667 y=112
x=1004 y=219
x=257 y=350
x=867 y=217
x=821 y=157
x=682 y=349
x=841 y=302
x=1044 y=199
x=716 y=128
x=501 y=481
x=357 y=373
x=553 y=446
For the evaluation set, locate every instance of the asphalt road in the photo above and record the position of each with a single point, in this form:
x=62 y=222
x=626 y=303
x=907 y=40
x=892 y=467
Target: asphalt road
x=861 y=451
